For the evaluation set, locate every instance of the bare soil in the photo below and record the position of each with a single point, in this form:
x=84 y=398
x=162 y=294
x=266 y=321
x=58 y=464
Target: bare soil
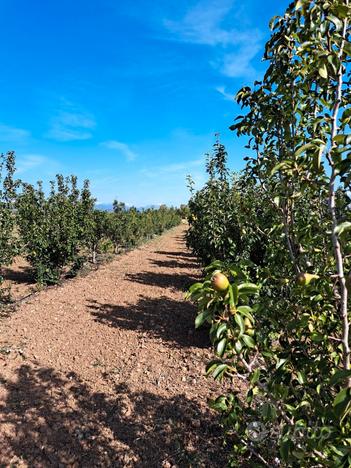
x=106 y=370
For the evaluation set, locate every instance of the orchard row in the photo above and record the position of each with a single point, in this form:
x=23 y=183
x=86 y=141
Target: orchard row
x=59 y=231
x=278 y=240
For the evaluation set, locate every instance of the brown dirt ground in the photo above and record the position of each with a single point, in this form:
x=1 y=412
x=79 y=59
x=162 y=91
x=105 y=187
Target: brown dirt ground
x=106 y=370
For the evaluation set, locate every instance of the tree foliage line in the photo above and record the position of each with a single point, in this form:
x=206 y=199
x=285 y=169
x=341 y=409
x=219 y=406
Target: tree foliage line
x=280 y=232
x=57 y=232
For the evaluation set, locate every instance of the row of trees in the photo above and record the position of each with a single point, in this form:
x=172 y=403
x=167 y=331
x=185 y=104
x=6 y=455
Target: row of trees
x=280 y=232
x=57 y=232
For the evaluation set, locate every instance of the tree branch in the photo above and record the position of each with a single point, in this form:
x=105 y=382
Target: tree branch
x=332 y=207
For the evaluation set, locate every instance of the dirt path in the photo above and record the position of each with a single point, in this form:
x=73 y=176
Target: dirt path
x=106 y=370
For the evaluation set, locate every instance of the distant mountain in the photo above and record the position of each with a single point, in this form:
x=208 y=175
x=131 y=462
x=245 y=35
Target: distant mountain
x=104 y=206
x=109 y=207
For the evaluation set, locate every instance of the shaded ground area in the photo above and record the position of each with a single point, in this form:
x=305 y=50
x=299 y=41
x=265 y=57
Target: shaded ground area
x=163 y=318
x=58 y=421
x=107 y=370
x=18 y=279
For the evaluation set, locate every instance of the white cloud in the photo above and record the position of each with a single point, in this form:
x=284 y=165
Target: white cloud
x=29 y=162
x=206 y=24
x=237 y=64
x=173 y=168
x=122 y=148
x=202 y=23
x=71 y=125
x=77 y=120
x=12 y=134
x=227 y=96
x=181 y=167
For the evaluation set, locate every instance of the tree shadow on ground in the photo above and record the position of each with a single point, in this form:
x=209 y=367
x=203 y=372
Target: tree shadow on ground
x=51 y=420
x=22 y=275
x=168 y=253
x=175 y=281
x=175 y=263
x=162 y=317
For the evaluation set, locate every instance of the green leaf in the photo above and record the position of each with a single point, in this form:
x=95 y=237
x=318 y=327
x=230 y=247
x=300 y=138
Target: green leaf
x=299 y=454
x=220 y=404
x=281 y=165
x=269 y=412
x=272 y=21
x=217 y=264
x=342 y=403
x=301 y=377
x=218 y=373
x=211 y=366
x=221 y=346
x=343 y=227
x=239 y=320
x=195 y=287
x=338 y=23
x=247 y=288
x=303 y=404
x=246 y=311
x=303 y=148
x=284 y=449
x=317 y=157
x=232 y=302
x=235 y=291
x=300 y=4
x=238 y=346
x=255 y=377
x=290 y=408
x=281 y=363
x=222 y=327
x=339 y=376
x=323 y=71
x=317 y=337
x=201 y=318
x=248 y=340
x=341 y=11
x=342 y=139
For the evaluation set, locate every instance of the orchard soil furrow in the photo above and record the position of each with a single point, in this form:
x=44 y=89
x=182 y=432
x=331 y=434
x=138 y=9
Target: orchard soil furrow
x=107 y=370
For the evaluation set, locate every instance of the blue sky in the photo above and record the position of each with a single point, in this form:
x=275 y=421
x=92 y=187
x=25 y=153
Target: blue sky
x=127 y=94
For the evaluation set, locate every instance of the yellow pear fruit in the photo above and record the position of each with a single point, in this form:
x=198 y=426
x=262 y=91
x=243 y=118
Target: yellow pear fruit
x=304 y=279
x=219 y=282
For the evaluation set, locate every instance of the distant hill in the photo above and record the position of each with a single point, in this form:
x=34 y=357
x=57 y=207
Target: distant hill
x=109 y=207
x=104 y=206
